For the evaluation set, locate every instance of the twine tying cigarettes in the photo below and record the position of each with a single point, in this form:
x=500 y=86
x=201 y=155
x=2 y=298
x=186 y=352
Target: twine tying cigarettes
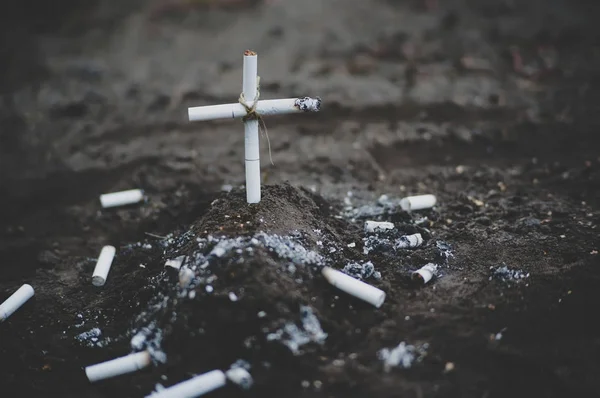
x=251 y=114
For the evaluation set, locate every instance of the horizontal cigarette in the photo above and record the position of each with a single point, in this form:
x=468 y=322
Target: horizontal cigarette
x=103 y=265
x=409 y=241
x=121 y=198
x=263 y=108
x=194 y=387
x=119 y=366
x=354 y=287
x=418 y=202
x=425 y=273
x=371 y=226
x=15 y=301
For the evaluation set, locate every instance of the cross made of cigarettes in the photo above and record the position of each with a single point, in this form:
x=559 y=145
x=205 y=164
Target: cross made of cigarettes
x=251 y=110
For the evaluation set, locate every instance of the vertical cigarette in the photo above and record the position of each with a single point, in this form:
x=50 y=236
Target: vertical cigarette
x=418 y=202
x=372 y=226
x=409 y=241
x=193 y=387
x=425 y=273
x=119 y=366
x=252 y=152
x=121 y=198
x=103 y=265
x=15 y=301
x=354 y=287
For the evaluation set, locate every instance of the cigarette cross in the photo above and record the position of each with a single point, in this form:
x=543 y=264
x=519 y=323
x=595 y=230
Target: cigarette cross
x=251 y=109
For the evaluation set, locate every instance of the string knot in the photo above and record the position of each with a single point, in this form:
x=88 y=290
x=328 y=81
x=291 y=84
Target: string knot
x=251 y=114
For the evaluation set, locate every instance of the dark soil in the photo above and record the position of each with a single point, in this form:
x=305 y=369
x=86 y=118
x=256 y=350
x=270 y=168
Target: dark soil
x=491 y=105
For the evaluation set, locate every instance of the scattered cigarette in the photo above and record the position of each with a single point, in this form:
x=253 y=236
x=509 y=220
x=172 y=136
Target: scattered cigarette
x=240 y=376
x=263 y=108
x=354 y=287
x=418 y=202
x=175 y=263
x=409 y=241
x=15 y=301
x=121 y=198
x=119 y=366
x=194 y=387
x=372 y=226
x=103 y=265
x=425 y=273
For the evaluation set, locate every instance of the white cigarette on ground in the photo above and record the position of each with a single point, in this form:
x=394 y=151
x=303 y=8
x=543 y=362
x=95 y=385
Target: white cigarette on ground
x=15 y=301
x=103 y=265
x=252 y=150
x=119 y=366
x=175 y=262
x=372 y=226
x=263 y=108
x=354 y=287
x=425 y=273
x=418 y=202
x=121 y=198
x=194 y=387
x=409 y=241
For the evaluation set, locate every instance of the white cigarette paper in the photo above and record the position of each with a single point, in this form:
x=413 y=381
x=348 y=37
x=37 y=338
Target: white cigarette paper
x=409 y=241
x=15 y=301
x=194 y=387
x=418 y=202
x=103 y=265
x=354 y=287
x=425 y=273
x=263 y=108
x=373 y=226
x=119 y=366
x=121 y=198
x=252 y=151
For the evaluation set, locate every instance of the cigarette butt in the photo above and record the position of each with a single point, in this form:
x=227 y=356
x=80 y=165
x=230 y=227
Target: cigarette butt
x=372 y=226
x=121 y=198
x=119 y=366
x=425 y=273
x=186 y=276
x=194 y=387
x=354 y=287
x=409 y=241
x=418 y=202
x=103 y=265
x=15 y=301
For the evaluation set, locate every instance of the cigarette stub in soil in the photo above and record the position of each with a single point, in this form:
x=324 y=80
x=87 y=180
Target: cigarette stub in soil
x=425 y=273
x=409 y=241
x=103 y=265
x=194 y=387
x=119 y=366
x=374 y=226
x=418 y=202
x=121 y=198
x=15 y=301
x=354 y=287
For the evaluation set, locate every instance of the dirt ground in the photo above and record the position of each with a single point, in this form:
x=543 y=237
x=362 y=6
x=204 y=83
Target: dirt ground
x=491 y=105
